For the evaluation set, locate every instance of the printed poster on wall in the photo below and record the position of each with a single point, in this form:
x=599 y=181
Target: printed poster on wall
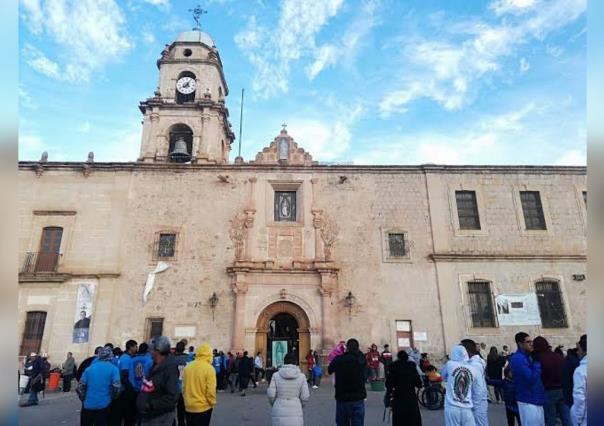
x=517 y=309
x=83 y=312
x=279 y=351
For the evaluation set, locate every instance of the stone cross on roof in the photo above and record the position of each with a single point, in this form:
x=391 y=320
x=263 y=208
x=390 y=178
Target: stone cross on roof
x=197 y=12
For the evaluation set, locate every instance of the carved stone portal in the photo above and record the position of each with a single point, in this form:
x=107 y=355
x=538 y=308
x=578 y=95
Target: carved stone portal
x=329 y=235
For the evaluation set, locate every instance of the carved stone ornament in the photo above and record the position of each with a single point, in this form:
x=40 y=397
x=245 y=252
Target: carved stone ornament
x=329 y=234
x=283 y=293
x=238 y=234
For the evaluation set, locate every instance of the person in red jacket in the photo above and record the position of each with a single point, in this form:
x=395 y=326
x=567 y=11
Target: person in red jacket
x=552 y=366
x=310 y=363
x=373 y=362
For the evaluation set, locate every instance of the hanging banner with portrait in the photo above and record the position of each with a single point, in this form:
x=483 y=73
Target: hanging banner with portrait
x=517 y=309
x=279 y=350
x=83 y=312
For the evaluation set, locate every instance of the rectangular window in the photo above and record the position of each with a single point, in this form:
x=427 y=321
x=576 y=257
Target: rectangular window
x=532 y=210
x=33 y=332
x=285 y=206
x=467 y=210
x=551 y=308
x=396 y=245
x=481 y=304
x=50 y=247
x=155 y=327
x=166 y=245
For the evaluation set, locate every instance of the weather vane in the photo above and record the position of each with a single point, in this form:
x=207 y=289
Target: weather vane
x=197 y=12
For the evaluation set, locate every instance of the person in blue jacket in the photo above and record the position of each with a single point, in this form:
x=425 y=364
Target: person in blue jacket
x=140 y=367
x=530 y=392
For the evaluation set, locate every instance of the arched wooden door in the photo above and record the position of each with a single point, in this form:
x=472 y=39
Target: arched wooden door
x=280 y=311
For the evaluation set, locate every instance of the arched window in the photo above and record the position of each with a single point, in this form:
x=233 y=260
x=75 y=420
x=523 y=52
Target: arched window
x=181 y=143
x=551 y=308
x=186 y=86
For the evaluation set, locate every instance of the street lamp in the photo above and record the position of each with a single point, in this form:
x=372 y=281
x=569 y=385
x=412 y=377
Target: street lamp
x=213 y=302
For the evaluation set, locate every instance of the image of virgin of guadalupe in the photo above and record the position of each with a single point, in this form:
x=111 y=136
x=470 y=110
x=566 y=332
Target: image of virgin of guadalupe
x=81 y=328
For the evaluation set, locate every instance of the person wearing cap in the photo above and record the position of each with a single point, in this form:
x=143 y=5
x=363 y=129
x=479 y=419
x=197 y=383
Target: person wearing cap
x=99 y=385
x=157 y=400
x=199 y=387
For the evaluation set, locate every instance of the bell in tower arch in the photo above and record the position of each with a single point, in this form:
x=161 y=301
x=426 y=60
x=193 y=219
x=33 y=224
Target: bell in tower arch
x=179 y=153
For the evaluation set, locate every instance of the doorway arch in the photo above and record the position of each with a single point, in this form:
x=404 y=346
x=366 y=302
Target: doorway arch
x=287 y=314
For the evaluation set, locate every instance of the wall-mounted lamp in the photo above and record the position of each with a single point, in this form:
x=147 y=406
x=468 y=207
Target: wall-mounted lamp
x=213 y=300
x=350 y=300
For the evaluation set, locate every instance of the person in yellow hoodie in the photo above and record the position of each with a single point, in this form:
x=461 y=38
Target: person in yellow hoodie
x=199 y=388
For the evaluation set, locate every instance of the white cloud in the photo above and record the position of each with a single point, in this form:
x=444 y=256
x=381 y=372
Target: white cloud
x=508 y=122
x=84 y=127
x=554 y=51
x=124 y=146
x=38 y=61
x=524 y=65
x=572 y=157
x=25 y=99
x=272 y=50
x=88 y=33
x=450 y=72
x=148 y=36
x=502 y=7
x=160 y=3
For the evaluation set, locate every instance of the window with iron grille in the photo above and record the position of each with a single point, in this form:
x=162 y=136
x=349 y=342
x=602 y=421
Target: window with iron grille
x=550 y=303
x=532 y=210
x=33 y=332
x=155 y=327
x=166 y=245
x=396 y=245
x=481 y=304
x=467 y=210
x=285 y=206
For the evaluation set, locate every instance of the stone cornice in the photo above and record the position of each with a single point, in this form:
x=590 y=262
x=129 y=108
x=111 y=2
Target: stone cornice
x=269 y=267
x=62 y=277
x=482 y=257
x=318 y=168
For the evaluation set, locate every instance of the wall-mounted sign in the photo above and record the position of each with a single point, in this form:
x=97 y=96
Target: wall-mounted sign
x=517 y=309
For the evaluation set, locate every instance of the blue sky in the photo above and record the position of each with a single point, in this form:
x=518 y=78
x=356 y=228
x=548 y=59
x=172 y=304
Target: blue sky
x=369 y=82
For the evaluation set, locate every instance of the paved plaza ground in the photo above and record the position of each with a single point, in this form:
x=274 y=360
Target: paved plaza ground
x=232 y=409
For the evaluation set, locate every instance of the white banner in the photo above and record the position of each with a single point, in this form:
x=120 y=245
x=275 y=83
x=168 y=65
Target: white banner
x=517 y=309
x=83 y=313
x=161 y=267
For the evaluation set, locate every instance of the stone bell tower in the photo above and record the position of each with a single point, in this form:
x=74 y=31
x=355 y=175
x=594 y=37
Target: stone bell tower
x=187 y=120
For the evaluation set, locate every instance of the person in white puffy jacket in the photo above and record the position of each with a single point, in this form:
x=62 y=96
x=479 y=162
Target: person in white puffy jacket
x=287 y=393
x=578 y=411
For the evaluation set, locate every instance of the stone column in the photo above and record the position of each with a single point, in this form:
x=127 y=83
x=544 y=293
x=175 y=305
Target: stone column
x=250 y=212
x=326 y=291
x=240 y=291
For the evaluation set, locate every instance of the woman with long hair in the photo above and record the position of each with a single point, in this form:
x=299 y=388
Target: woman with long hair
x=495 y=364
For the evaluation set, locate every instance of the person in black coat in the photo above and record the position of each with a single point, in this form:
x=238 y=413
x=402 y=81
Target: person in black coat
x=401 y=381
x=246 y=367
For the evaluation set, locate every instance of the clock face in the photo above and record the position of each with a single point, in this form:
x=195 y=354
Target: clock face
x=186 y=85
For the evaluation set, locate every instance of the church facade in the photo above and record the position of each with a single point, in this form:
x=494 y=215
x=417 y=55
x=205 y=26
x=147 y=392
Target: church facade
x=281 y=253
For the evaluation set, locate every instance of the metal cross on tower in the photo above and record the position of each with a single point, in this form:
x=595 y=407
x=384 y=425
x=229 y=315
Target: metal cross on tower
x=197 y=12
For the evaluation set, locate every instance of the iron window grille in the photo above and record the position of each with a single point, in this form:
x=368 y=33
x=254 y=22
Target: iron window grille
x=550 y=303
x=532 y=210
x=33 y=332
x=467 y=210
x=166 y=246
x=285 y=206
x=396 y=245
x=156 y=327
x=481 y=304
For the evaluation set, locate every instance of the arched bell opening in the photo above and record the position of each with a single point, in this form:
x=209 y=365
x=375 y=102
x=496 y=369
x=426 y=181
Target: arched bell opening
x=181 y=143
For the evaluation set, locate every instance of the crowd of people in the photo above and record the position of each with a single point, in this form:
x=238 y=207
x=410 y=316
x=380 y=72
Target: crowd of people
x=539 y=386
x=155 y=384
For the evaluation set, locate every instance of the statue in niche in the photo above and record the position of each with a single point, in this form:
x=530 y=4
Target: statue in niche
x=283 y=149
x=329 y=235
